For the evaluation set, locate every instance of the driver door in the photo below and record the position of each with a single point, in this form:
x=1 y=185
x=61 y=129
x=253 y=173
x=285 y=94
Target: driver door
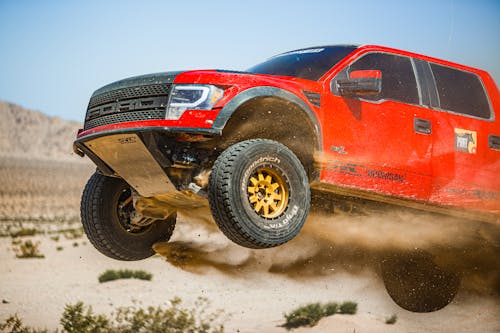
x=380 y=142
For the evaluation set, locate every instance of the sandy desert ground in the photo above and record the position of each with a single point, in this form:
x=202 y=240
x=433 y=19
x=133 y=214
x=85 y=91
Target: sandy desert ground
x=335 y=258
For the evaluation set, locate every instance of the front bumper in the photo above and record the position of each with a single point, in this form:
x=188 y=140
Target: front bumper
x=129 y=158
x=160 y=164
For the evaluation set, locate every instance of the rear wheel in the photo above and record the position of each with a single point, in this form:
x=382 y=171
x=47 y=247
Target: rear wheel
x=259 y=193
x=416 y=283
x=106 y=210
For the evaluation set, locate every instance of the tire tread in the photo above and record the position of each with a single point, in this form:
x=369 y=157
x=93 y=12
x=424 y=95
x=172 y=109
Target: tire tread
x=220 y=196
x=93 y=216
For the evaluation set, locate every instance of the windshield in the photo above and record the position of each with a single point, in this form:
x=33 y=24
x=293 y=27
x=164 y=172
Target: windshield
x=310 y=63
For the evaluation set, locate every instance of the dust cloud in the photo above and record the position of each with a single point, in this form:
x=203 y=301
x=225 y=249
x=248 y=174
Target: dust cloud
x=331 y=243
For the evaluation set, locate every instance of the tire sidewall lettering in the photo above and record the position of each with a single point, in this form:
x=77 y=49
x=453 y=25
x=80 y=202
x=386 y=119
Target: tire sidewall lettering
x=261 y=160
x=283 y=223
x=229 y=193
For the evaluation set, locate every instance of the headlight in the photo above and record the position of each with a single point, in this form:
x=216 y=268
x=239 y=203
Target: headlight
x=192 y=97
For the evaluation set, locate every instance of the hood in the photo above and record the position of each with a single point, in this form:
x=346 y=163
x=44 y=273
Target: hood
x=141 y=80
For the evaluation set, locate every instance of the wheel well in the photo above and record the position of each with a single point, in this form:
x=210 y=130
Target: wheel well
x=276 y=119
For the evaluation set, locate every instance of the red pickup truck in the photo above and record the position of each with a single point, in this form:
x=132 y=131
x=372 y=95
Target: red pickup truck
x=365 y=122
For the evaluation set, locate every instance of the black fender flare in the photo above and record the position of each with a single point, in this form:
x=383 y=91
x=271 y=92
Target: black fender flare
x=265 y=91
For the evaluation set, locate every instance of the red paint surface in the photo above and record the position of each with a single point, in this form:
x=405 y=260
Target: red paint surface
x=373 y=146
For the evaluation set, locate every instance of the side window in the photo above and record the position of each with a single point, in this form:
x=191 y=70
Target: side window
x=460 y=92
x=398 y=78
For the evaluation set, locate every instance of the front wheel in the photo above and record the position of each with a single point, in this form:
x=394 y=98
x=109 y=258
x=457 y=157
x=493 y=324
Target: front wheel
x=259 y=193
x=106 y=210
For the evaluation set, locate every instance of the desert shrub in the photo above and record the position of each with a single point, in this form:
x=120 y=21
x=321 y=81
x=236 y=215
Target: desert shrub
x=77 y=318
x=112 y=274
x=310 y=314
x=59 y=248
x=14 y=325
x=391 y=320
x=24 y=232
x=174 y=319
x=28 y=249
x=306 y=315
x=348 y=308
x=330 y=308
x=4 y=229
x=73 y=233
x=16 y=241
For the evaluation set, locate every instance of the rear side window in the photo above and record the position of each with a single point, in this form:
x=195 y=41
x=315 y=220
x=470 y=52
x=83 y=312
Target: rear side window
x=398 y=79
x=460 y=92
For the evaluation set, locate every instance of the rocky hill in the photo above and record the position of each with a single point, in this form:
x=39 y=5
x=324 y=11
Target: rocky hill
x=27 y=133
x=40 y=176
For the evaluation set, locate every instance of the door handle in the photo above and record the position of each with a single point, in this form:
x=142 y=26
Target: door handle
x=422 y=126
x=494 y=142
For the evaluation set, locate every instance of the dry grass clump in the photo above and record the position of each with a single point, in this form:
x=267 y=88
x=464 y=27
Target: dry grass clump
x=72 y=233
x=55 y=229
x=310 y=314
x=14 y=229
x=27 y=249
x=15 y=325
x=79 y=318
x=111 y=275
x=24 y=232
x=348 y=308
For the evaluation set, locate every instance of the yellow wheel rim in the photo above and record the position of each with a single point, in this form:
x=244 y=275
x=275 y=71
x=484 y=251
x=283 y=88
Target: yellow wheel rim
x=268 y=193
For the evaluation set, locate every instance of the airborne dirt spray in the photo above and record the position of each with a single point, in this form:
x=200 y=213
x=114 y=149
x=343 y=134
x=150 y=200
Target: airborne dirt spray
x=331 y=243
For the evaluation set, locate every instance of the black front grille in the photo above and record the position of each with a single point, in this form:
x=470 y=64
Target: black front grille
x=124 y=117
x=142 y=102
x=129 y=93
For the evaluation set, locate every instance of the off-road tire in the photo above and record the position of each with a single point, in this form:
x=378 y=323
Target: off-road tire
x=236 y=178
x=101 y=222
x=416 y=283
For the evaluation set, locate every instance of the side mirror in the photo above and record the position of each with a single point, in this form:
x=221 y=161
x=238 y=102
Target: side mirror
x=360 y=83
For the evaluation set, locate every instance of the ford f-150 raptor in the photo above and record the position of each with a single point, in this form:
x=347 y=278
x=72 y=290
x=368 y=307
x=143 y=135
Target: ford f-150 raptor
x=364 y=122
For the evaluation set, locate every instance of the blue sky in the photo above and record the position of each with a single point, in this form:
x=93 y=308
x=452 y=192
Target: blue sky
x=54 y=54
